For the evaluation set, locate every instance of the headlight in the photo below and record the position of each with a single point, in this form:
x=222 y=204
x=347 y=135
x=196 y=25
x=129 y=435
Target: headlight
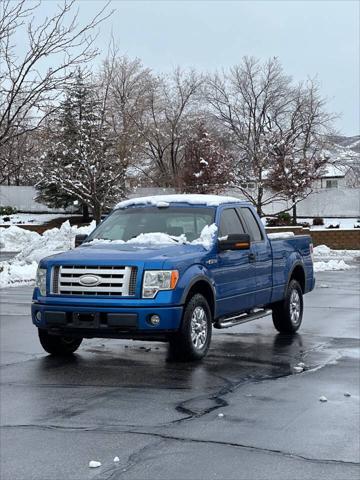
x=40 y=281
x=155 y=280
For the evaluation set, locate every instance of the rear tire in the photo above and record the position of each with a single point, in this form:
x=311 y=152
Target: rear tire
x=57 y=344
x=192 y=342
x=287 y=314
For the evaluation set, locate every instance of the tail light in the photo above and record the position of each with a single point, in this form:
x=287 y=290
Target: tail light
x=312 y=252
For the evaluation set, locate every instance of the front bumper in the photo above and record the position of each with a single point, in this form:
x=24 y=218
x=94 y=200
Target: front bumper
x=105 y=321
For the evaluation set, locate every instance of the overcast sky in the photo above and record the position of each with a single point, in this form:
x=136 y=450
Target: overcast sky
x=310 y=38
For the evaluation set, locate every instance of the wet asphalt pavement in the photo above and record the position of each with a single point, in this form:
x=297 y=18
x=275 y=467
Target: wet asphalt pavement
x=123 y=398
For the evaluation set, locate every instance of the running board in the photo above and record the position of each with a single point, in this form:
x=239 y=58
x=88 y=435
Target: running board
x=227 y=322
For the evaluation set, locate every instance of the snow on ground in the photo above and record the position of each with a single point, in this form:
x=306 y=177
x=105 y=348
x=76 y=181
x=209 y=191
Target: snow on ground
x=165 y=200
x=30 y=218
x=345 y=223
x=326 y=259
x=331 y=265
x=32 y=247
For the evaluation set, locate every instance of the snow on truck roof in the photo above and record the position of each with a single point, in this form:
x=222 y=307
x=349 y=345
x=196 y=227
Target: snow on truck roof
x=191 y=199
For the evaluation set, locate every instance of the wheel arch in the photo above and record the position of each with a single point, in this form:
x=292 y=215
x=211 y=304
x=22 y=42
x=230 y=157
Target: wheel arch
x=298 y=273
x=203 y=286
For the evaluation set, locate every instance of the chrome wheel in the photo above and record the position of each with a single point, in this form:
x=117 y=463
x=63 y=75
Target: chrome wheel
x=199 y=327
x=295 y=307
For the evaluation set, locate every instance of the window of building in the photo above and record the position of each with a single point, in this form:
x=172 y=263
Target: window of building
x=331 y=184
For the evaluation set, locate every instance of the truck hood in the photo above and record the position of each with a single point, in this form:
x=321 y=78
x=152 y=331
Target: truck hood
x=127 y=254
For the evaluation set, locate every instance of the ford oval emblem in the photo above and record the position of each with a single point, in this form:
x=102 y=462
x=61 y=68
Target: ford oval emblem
x=89 y=280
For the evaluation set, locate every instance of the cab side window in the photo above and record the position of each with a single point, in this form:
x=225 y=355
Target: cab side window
x=230 y=223
x=251 y=224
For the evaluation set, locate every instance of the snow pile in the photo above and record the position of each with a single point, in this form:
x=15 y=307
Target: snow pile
x=32 y=248
x=323 y=251
x=331 y=265
x=17 y=273
x=13 y=239
x=327 y=259
x=165 y=200
x=207 y=236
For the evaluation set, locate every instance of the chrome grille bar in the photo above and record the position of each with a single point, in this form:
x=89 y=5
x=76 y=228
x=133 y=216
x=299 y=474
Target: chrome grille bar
x=110 y=280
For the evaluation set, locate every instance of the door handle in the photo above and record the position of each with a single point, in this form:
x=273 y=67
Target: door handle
x=252 y=257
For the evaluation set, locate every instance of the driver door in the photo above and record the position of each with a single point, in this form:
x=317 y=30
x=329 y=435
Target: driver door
x=234 y=272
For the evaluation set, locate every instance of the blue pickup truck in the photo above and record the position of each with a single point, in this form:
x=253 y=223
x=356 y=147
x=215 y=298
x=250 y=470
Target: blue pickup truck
x=171 y=268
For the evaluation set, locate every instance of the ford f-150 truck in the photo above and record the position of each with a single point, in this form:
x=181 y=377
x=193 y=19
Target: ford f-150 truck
x=170 y=268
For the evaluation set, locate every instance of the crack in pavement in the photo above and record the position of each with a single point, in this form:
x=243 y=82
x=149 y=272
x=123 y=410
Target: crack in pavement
x=114 y=429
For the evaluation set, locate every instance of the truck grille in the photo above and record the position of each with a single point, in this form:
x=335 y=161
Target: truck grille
x=88 y=280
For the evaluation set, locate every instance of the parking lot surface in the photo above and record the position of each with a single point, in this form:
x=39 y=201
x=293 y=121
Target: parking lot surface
x=242 y=413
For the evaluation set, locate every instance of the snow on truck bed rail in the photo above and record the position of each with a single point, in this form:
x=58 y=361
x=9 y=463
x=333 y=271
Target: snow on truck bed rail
x=280 y=235
x=191 y=199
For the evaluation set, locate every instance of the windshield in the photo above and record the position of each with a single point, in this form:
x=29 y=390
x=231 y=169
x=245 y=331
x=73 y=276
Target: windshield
x=174 y=221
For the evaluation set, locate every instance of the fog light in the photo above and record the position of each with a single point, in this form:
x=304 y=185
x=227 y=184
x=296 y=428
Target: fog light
x=154 y=320
x=38 y=316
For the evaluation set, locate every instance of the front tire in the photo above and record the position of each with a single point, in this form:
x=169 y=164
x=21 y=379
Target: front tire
x=287 y=314
x=192 y=342
x=57 y=344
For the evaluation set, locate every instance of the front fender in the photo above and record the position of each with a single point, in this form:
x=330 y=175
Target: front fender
x=187 y=280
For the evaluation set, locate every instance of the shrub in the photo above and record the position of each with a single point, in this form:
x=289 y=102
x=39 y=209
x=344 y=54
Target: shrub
x=281 y=220
x=7 y=210
x=337 y=225
x=318 y=221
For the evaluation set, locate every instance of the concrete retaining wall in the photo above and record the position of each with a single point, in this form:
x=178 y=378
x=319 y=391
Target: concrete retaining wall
x=338 y=239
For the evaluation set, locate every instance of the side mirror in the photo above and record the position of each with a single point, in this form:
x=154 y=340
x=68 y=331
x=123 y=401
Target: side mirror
x=234 y=241
x=79 y=239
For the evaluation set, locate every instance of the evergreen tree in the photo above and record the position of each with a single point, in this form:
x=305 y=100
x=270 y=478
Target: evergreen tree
x=80 y=161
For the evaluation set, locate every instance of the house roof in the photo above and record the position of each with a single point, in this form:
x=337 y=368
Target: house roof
x=338 y=171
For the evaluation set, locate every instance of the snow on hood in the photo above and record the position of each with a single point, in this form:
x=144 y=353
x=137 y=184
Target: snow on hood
x=165 y=200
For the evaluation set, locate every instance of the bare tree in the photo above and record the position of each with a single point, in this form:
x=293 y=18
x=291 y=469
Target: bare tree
x=297 y=139
x=243 y=100
x=164 y=128
x=18 y=160
x=272 y=124
x=29 y=86
x=126 y=85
